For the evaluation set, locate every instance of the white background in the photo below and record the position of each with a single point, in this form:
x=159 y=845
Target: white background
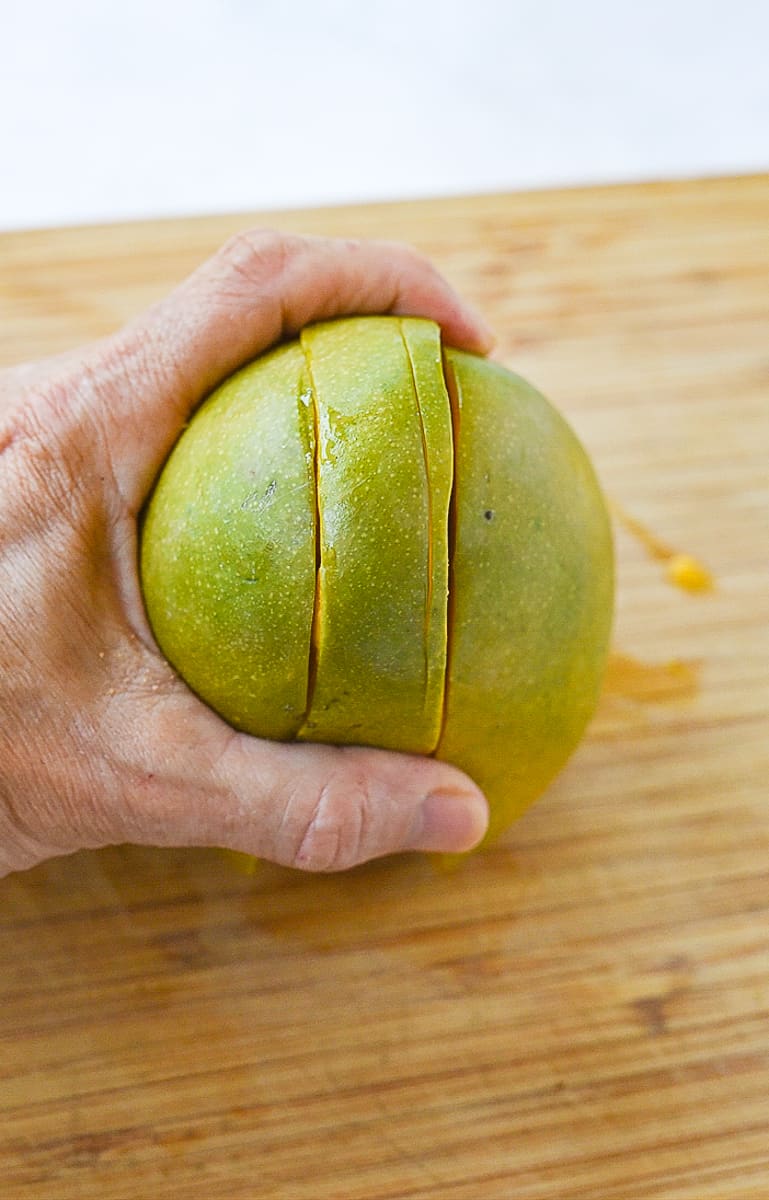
x=150 y=108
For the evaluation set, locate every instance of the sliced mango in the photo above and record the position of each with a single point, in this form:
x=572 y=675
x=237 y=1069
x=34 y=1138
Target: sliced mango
x=373 y=590
x=531 y=595
x=361 y=540
x=228 y=547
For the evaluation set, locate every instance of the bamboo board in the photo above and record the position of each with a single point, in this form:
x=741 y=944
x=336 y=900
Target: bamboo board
x=581 y=1012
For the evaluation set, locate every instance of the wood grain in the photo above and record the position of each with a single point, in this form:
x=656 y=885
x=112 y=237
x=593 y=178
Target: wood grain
x=580 y=1013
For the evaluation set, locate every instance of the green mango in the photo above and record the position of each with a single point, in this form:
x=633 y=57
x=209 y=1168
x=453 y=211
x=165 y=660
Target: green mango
x=362 y=537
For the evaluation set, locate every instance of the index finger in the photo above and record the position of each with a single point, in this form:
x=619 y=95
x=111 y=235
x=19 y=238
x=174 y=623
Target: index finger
x=260 y=287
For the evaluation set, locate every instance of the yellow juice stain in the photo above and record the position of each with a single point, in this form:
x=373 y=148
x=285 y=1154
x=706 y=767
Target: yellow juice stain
x=244 y=864
x=448 y=864
x=682 y=570
x=655 y=683
x=689 y=574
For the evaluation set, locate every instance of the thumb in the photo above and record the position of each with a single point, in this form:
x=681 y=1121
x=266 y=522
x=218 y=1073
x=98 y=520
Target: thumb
x=316 y=807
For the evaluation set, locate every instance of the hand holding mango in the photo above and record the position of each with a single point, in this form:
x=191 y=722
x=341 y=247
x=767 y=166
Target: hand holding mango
x=100 y=740
x=367 y=537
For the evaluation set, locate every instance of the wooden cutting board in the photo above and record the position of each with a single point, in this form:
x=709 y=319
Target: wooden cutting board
x=583 y=1010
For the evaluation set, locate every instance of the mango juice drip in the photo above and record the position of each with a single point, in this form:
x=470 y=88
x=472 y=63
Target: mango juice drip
x=682 y=570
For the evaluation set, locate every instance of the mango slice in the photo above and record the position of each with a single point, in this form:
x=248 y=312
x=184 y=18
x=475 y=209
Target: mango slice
x=373 y=592
x=228 y=547
x=423 y=343
x=531 y=588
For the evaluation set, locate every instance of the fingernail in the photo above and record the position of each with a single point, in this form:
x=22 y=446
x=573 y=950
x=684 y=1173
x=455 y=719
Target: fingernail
x=450 y=821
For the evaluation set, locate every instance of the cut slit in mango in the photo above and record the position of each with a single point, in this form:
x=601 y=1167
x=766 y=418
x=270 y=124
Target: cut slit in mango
x=371 y=652
x=423 y=345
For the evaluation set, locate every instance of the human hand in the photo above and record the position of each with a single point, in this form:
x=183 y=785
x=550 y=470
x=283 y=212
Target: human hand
x=100 y=741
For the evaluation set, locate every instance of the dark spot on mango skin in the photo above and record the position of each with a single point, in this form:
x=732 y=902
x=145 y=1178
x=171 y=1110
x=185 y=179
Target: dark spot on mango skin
x=489 y=514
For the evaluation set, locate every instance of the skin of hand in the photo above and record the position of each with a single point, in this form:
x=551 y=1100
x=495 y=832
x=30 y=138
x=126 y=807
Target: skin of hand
x=100 y=742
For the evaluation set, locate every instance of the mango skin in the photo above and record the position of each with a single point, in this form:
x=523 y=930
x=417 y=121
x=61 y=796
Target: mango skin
x=227 y=555
x=531 y=588
x=530 y=574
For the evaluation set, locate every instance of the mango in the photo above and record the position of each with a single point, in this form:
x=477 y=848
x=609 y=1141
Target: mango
x=365 y=537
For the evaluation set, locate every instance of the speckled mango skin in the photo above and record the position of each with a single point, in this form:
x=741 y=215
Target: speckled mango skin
x=359 y=538
x=228 y=547
x=532 y=588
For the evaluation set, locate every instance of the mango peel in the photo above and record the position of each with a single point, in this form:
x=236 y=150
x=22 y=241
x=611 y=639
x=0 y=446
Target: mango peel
x=365 y=537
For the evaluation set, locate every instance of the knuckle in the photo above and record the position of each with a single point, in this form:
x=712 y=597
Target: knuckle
x=259 y=255
x=338 y=832
x=411 y=258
